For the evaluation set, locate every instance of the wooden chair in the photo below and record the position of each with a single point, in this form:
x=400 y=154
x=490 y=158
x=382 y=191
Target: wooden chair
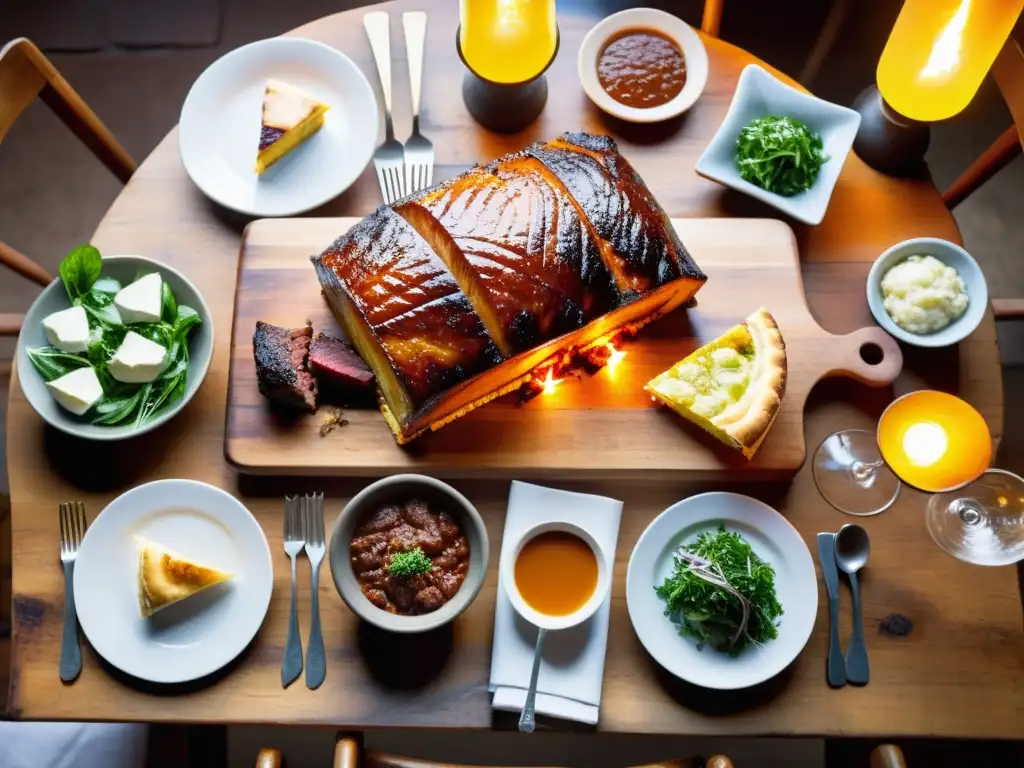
x=349 y=753
x=1008 y=71
x=26 y=73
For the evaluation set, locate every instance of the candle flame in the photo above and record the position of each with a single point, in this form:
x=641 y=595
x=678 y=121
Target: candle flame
x=550 y=382
x=614 y=356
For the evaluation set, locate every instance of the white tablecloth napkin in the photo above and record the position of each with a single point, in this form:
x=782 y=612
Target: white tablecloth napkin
x=572 y=670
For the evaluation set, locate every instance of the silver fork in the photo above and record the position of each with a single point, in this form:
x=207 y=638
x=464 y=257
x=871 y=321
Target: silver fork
x=294 y=539
x=419 y=152
x=72 y=530
x=316 y=661
x=389 y=158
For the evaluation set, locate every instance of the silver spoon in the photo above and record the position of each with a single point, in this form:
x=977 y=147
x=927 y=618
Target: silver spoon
x=852 y=549
x=528 y=718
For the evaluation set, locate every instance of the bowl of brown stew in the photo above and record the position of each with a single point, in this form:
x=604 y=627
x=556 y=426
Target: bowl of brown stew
x=409 y=553
x=643 y=65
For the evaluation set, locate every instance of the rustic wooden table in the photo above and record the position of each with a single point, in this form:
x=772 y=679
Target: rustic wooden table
x=960 y=672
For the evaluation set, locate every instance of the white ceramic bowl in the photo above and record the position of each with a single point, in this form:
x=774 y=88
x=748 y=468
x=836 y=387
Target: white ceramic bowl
x=759 y=94
x=219 y=130
x=949 y=254
x=542 y=620
x=55 y=298
x=695 y=58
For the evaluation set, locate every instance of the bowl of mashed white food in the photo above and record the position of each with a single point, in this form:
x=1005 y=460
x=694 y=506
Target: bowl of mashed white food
x=927 y=292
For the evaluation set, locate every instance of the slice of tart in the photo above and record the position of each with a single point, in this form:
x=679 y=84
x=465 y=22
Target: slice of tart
x=733 y=386
x=166 y=577
x=290 y=116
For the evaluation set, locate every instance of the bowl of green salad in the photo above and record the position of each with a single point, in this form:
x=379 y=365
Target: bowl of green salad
x=780 y=145
x=114 y=347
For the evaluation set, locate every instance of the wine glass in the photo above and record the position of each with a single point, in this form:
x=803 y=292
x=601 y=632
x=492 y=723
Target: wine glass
x=982 y=522
x=852 y=475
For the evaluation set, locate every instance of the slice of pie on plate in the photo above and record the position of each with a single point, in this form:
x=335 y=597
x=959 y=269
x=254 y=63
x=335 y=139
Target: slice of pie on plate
x=290 y=116
x=166 y=577
x=731 y=387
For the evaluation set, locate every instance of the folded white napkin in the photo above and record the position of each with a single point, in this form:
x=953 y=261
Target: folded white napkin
x=572 y=669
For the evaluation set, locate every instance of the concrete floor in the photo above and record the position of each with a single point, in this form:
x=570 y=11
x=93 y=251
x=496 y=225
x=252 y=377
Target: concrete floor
x=134 y=62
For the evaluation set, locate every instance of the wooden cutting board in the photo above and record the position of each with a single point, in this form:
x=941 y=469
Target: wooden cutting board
x=596 y=426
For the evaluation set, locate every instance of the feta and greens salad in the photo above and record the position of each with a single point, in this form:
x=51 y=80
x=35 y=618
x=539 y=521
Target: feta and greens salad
x=118 y=355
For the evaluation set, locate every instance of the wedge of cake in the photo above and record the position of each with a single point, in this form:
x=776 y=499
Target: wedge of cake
x=166 y=577
x=290 y=116
x=733 y=386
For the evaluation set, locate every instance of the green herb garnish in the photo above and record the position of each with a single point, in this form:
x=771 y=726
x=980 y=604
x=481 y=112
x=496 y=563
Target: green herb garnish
x=722 y=594
x=779 y=154
x=121 y=403
x=406 y=564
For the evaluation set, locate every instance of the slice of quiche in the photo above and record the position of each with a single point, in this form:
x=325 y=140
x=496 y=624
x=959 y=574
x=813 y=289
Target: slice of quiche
x=290 y=116
x=733 y=386
x=166 y=577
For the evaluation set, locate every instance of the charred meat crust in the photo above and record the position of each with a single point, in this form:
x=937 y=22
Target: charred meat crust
x=462 y=290
x=280 y=356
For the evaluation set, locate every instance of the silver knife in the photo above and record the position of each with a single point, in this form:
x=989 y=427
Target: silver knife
x=827 y=557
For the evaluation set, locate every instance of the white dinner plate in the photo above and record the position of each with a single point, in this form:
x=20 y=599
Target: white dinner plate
x=773 y=539
x=220 y=125
x=199 y=635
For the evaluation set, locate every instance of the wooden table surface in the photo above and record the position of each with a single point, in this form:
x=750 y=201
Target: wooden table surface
x=960 y=672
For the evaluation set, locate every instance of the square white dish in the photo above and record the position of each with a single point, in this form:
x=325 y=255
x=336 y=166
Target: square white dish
x=759 y=94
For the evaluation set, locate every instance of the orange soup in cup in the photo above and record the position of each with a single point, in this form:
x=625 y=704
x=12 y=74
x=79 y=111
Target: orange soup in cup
x=556 y=573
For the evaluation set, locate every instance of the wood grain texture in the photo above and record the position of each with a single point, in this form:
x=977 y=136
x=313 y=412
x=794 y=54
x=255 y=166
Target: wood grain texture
x=959 y=673
x=26 y=73
x=749 y=263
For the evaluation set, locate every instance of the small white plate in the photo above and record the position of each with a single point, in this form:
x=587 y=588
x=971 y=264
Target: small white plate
x=220 y=127
x=772 y=538
x=695 y=58
x=199 y=635
x=759 y=94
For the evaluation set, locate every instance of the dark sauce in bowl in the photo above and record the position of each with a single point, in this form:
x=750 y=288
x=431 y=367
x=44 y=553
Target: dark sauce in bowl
x=641 y=68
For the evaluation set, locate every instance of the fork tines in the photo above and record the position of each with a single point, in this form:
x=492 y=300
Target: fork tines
x=294 y=519
x=314 y=514
x=72 y=526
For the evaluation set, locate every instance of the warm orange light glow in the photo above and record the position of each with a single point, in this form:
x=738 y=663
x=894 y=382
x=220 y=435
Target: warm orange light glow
x=934 y=441
x=614 y=357
x=508 y=41
x=940 y=51
x=550 y=382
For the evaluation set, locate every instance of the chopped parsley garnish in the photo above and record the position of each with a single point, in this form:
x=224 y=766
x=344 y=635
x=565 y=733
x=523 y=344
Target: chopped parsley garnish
x=722 y=594
x=406 y=564
x=779 y=154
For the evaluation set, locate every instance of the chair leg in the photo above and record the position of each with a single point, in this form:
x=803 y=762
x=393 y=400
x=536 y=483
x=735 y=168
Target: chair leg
x=989 y=163
x=712 y=19
x=23 y=265
x=347 y=750
x=270 y=758
x=887 y=756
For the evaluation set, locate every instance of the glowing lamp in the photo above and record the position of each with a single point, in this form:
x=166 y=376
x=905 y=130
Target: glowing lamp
x=934 y=441
x=933 y=63
x=506 y=45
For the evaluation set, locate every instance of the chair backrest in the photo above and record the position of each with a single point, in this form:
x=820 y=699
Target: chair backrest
x=712 y=18
x=26 y=73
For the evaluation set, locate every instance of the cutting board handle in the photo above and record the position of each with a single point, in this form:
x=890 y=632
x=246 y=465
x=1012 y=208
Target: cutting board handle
x=869 y=355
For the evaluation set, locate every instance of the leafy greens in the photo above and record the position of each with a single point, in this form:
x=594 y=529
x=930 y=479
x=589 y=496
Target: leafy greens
x=122 y=404
x=779 y=154
x=722 y=594
x=406 y=564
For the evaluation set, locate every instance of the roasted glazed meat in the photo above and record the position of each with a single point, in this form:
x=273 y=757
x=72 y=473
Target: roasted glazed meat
x=453 y=297
x=281 y=372
x=394 y=529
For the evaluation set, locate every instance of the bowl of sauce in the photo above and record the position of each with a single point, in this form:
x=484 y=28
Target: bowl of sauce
x=556 y=575
x=643 y=65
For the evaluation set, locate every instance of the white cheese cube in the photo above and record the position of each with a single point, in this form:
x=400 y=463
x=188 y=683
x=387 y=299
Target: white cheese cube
x=77 y=391
x=137 y=360
x=141 y=301
x=68 y=330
